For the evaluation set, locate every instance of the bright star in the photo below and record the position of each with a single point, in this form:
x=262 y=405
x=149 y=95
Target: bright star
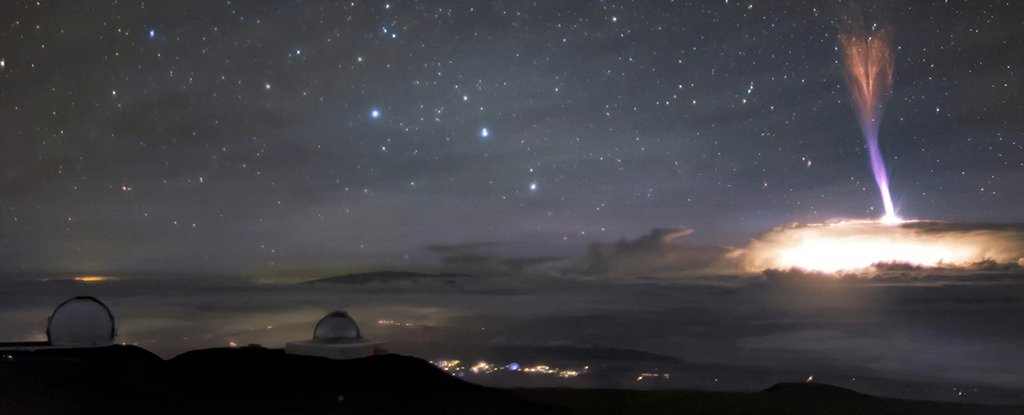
x=533 y=187
x=375 y=113
x=152 y=33
x=484 y=133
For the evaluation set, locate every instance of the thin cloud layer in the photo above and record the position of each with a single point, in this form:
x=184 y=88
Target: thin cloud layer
x=660 y=253
x=485 y=258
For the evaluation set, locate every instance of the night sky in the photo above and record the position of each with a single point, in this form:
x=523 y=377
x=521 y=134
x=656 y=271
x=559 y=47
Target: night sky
x=277 y=137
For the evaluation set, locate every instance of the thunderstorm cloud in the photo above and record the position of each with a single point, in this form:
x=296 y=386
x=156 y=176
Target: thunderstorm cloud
x=872 y=247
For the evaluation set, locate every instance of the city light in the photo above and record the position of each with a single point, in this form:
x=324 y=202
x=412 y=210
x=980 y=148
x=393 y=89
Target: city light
x=456 y=368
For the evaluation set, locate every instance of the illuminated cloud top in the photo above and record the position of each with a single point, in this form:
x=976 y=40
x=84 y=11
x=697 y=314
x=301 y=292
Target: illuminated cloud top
x=852 y=246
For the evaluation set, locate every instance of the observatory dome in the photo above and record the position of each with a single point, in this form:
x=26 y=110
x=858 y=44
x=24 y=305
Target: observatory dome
x=81 y=322
x=336 y=336
x=336 y=327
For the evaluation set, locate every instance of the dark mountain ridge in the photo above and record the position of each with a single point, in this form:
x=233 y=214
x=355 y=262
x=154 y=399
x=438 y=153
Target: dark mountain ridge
x=255 y=380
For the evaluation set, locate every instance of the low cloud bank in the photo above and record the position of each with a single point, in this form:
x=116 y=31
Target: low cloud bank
x=851 y=248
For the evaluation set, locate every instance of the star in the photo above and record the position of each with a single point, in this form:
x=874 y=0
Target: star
x=374 y=113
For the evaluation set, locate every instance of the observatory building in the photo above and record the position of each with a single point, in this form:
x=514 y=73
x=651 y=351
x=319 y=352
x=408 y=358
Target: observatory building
x=81 y=322
x=77 y=322
x=336 y=336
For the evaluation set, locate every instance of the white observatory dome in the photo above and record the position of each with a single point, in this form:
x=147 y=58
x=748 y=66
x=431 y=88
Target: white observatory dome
x=336 y=336
x=336 y=327
x=81 y=322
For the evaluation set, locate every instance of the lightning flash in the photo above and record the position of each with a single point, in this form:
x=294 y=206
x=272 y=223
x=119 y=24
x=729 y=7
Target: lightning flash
x=869 y=66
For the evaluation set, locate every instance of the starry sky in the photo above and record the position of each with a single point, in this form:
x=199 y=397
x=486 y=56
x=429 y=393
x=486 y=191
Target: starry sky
x=268 y=137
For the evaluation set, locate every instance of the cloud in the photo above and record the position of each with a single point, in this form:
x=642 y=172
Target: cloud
x=657 y=254
x=484 y=258
x=874 y=248
x=915 y=251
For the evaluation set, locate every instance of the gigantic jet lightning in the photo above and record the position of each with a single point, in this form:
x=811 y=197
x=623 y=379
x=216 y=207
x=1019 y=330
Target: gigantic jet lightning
x=852 y=245
x=868 y=63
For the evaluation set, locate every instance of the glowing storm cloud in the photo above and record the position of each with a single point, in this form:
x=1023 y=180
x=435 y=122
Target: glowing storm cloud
x=869 y=66
x=861 y=245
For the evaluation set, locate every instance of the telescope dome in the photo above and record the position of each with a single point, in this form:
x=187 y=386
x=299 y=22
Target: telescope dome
x=81 y=322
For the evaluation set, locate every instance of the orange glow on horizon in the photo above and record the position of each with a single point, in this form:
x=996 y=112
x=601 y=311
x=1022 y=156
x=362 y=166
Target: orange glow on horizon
x=93 y=278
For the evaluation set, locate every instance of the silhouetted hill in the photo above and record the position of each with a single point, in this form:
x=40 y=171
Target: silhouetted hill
x=55 y=381
x=780 y=399
x=254 y=380
x=248 y=380
x=384 y=277
x=389 y=383
x=815 y=389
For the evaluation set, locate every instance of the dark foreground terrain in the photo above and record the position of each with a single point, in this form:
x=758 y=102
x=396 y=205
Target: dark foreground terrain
x=255 y=380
